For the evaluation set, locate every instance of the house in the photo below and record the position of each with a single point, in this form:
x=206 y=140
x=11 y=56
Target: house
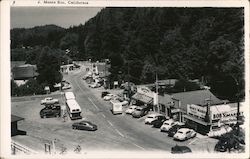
x=22 y=73
x=14 y=126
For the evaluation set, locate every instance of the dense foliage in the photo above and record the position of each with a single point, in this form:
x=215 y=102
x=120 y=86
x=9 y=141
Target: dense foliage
x=32 y=87
x=181 y=43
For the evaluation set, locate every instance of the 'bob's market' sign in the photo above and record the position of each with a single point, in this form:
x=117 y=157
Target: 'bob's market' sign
x=221 y=115
x=226 y=112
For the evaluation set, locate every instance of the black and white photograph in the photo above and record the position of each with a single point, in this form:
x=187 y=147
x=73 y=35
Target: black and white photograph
x=164 y=81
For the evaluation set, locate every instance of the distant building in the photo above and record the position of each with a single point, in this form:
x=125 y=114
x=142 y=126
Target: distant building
x=67 y=68
x=22 y=73
x=101 y=69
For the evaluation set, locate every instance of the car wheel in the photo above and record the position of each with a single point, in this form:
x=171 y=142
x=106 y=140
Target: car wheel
x=44 y=116
x=73 y=127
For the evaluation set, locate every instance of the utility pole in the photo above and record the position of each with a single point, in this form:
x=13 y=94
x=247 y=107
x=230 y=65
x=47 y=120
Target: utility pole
x=238 y=104
x=129 y=85
x=207 y=116
x=157 y=92
x=238 y=108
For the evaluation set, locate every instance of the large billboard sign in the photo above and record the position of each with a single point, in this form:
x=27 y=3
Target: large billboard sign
x=196 y=110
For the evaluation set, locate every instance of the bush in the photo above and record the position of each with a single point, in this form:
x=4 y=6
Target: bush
x=30 y=88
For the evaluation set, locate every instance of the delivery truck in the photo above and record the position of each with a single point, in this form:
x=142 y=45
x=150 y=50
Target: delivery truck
x=116 y=107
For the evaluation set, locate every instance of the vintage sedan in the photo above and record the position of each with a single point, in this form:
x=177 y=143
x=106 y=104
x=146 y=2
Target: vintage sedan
x=95 y=85
x=49 y=100
x=184 y=134
x=180 y=149
x=152 y=117
x=109 y=97
x=167 y=125
x=174 y=129
x=140 y=111
x=130 y=109
x=84 y=125
x=50 y=111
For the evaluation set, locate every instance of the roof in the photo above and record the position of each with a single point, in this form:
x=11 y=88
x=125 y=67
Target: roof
x=16 y=63
x=15 y=118
x=184 y=129
x=198 y=97
x=165 y=99
x=69 y=95
x=24 y=72
x=73 y=104
x=143 y=98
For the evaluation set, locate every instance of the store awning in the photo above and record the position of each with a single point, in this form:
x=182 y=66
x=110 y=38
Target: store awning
x=196 y=120
x=143 y=98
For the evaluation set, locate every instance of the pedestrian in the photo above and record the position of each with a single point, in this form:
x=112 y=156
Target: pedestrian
x=64 y=117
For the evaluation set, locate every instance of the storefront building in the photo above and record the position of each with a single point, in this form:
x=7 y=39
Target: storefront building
x=202 y=117
x=143 y=96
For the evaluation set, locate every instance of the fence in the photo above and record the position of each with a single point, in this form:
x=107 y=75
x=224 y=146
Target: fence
x=18 y=148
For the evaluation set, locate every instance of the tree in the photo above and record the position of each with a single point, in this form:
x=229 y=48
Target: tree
x=48 y=68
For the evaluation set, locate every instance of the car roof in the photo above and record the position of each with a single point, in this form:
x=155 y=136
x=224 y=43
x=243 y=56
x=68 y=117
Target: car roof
x=85 y=122
x=184 y=129
x=132 y=106
x=169 y=120
x=154 y=115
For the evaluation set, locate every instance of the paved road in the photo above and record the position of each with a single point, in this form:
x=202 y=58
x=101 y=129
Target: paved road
x=115 y=132
x=131 y=133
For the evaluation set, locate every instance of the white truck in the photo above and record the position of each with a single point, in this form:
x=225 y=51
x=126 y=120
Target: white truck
x=116 y=107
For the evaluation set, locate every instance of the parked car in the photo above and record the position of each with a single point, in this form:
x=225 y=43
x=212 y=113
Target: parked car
x=49 y=100
x=66 y=86
x=180 y=149
x=123 y=102
x=159 y=121
x=167 y=125
x=84 y=125
x=130 y=109
x=104 y=94
x=109 y=97
x=95 y=85
x=174 y=129
x=140 y=111
x=184 y=134
x=219 y=131
x=50 y=111
x=151 y=117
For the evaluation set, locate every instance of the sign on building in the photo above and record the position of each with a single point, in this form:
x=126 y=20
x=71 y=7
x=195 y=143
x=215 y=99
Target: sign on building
x=197 y=111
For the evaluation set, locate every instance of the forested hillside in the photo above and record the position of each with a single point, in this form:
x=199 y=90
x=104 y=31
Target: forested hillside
x=181 y=43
